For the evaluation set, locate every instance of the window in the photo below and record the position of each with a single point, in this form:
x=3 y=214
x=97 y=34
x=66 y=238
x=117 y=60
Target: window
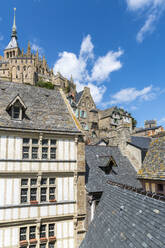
x=43 y=231
x=32 y=232
x=29 y=188
x=18 y=67
x=160 y=187
x=51 y=230
x=30 y=149
x=16 y=112
x=23 y=231
x=47 y=189
x=30 y=144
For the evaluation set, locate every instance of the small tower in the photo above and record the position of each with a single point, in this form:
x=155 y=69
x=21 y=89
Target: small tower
x=12 y=50
x=29 y=50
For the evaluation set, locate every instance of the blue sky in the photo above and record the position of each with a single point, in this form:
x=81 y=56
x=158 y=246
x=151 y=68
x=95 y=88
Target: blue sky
x=114 y=47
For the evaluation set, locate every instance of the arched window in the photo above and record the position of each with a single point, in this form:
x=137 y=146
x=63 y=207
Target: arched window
x=7 y=55
x=13 y=53
x=10 y=54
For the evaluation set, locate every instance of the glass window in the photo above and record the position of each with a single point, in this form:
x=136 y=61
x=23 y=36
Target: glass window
x=26 y=141
x=43 y=181
x=24 y=195
x=53 y=153
x=33 y=194
x=43 y=231
x=23 y=231
x=51 y=193
x=53 y=142
x=34 y=152
x=16 y=112
x=42 y=245
x=33 y=181
x=45 y=142
x=51 y=245
x=52 y=181
x=32 y=232
x=24 y=182
x=25 y=152
x=43 y=194
x=51 y=230
x=44 y=152
x=35 y=141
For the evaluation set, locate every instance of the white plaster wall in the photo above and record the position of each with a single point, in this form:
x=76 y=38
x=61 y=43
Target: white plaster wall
x=9 y=237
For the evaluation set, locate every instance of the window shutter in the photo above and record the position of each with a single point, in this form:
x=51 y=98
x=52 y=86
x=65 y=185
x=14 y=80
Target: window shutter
x=76 y=113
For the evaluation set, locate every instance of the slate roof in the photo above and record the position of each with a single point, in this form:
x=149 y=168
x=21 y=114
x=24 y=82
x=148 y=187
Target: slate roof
x=154 y=162
x=46 y=109
x=147 y=129
x=125 y=219
x=78 y=96
x=97 y=156
x=12 y=44
x=105 y=113
x=140 y=142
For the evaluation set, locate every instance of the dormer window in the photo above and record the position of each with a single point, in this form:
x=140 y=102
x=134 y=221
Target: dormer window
x=110 y=166
x=16 y=108
x=16 y=112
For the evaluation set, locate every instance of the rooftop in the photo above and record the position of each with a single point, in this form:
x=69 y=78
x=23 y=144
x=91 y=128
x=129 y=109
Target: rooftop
x=125 y=219
x=46 y=109
x=99 y=156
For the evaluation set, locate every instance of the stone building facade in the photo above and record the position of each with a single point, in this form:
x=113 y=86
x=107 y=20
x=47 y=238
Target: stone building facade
x=42 y=169
x=26 y=67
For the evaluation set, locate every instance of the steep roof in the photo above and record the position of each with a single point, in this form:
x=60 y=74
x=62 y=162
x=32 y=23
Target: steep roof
x=126 y=219
x=46 y=109
x=97 y=156
x=140 y=142
x=147 y=129
x=78 y=96
x=105 y=113
x=154 y=162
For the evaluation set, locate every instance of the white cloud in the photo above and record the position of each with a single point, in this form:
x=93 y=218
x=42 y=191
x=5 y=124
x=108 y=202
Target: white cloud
x=105 y=65
x=35 y=47
x=87 y=48
x=79 y=67
x=131 y=94
x=151 y=10
x=162 y=120
x=97 y=92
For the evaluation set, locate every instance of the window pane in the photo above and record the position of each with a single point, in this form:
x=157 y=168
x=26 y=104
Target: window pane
x=44 y=152
x=45 y=142
x=43 y=181
x=25 y=149
x=43 y=190
x=32 y=232
x=16 y=112
x=24 y=195
x=52 y=190
x=35 y=141
x=33 y=181
x=34 y=152
x=24 y=182
x=26 y=141
x=52 y=181
x=23 y=233
x=51 y=245
x=53 y=153
x=42 y=245
x=51 y=230
x=43 y=231
x=53 y=142
x=43 y=194
x=33 y=194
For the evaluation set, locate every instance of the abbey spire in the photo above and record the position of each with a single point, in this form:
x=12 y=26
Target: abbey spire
x=14 y=29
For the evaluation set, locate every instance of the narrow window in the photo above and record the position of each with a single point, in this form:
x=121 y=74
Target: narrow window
x=160 y=187
x=32 y=232
x=34 y=152
x=52 y=193
x=51 y=245
x=42 y=245
x=51 y=230
x=43 y=231
x=16 y=112
x=52 y=153
x=24 y=195
x=23 y=231
x=43 y=194
x=25 y=152
x=44 y=152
